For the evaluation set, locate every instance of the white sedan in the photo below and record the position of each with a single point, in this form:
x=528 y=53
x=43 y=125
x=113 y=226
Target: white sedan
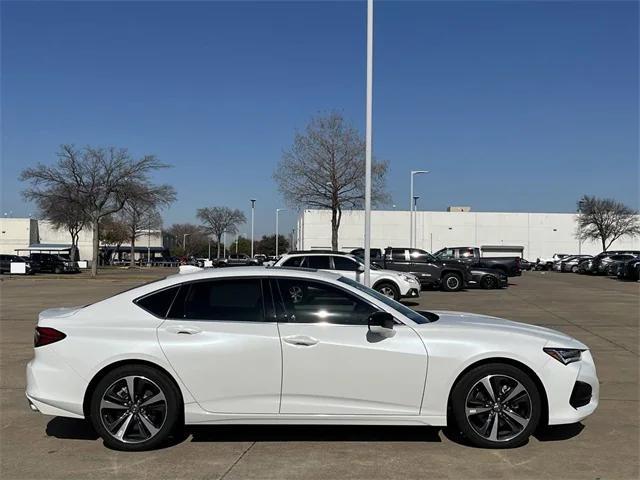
x=283 y=346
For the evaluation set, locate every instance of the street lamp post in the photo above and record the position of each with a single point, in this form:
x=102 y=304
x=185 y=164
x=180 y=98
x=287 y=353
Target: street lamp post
x=253 y=209
x=184 y=242
x=411 y=215
x=415 y=229
x=278 y=210
x=368 y=146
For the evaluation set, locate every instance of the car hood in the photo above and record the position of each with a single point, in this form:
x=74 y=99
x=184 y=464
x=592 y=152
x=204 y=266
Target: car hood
x=483 y=323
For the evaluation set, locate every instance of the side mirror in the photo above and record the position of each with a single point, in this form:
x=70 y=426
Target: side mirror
x=381 y=323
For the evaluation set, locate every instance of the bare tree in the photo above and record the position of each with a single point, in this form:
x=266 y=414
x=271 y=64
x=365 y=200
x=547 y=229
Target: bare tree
x=113 y=231
x=189 y=238
x=102 y=179
x=140 y=212
x=63 y=209
x=325 y=168
x=606 y=220
x=218 y=220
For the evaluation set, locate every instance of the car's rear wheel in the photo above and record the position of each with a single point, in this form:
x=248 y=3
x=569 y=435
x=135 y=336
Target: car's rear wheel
x=574 y=269
x=489 y=282
x=135 y=407
x=496 y=406
x=388 y=290
x=451 y=282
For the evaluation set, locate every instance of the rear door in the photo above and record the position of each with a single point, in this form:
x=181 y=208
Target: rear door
x=224 y=346
x=399 y=260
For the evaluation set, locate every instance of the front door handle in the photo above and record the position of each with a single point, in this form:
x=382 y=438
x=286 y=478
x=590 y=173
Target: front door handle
x=184 y=330
x=300 y=340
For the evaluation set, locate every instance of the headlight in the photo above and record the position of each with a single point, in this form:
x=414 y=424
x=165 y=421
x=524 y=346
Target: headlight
x=408 y=278
x=564 y=355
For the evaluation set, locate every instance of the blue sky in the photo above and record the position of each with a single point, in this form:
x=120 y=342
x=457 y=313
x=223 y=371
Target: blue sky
x=513 y=106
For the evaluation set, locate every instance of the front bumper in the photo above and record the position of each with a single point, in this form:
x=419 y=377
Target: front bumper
x=412 y=293
x=561 y=384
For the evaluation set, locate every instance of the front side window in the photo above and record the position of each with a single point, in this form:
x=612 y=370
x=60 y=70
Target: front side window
x=445 y=254
x=307 y=301
x=421 y=256
x=345 y=264
x=235 y=300
x=293 y=262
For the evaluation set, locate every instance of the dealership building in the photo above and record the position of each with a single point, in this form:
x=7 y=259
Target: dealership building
x=538 y=235
x=23 y=235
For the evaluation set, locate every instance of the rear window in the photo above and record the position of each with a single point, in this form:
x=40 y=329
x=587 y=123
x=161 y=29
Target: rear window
x=158 y=303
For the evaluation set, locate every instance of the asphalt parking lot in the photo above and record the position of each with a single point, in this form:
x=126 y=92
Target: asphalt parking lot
x=601 y=312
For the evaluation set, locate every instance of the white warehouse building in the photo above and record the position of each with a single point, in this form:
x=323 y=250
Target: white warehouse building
x=540 y=234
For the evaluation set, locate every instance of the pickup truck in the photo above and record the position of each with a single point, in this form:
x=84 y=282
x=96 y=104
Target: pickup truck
x=449 y=275
x=473 y=257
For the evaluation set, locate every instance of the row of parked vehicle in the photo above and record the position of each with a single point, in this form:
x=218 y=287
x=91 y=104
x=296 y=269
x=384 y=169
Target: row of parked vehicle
x=39 y=262
x=625 y=264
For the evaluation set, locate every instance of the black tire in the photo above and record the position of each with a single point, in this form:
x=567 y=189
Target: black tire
x=452 y=282
x=57 y=270
x=164 y=415
x=524 y=406
x=388 y=289
x=574 y=269
x=489 y=282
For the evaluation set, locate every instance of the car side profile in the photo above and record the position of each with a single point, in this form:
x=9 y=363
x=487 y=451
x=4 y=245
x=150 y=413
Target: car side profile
x=288 y=346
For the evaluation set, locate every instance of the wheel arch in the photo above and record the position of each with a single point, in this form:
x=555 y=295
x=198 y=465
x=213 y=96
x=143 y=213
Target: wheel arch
x=544 y=414
x=387 y=280
x=108 y=368
x=451 y=270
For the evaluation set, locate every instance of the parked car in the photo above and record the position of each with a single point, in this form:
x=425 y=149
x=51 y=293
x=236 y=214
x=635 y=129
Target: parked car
x=602 y=261
x=260 y=258
x=612 y=264
x=236 y=259
x=473 y=257
x=488 y=278
x=7 y=260
x=547 y=263
x=49 y=262
x=570 y=263
x=629 y=270
x=395 y=285
x=525 y=264
x=449 y=275
x=271 y=345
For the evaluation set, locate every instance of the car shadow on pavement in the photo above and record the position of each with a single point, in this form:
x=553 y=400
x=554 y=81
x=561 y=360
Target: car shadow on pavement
x=312 y=433
x=554 y=433
x=71 y=428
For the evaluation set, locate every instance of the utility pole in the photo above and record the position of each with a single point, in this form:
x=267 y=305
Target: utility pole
x=368 y=146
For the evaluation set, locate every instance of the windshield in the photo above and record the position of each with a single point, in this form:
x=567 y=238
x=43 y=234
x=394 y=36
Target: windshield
x=406 y=311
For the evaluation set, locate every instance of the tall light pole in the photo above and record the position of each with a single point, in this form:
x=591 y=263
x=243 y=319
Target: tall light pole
x=253 y=209
x=414 y=210
x=224 y=244
x=368 y=145
x=413 y=173
x=278 y=210
x=184 y=242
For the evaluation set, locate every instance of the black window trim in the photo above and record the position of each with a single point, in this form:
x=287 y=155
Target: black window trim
x=218 y=279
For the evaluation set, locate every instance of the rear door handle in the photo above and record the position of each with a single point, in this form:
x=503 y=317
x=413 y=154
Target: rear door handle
x=300 y=340
x=184 y=330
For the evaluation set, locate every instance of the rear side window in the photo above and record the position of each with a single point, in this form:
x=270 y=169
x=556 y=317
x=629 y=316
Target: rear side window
x=319 y=262
x=235 y=300
x=345 y=263
x=158 y=303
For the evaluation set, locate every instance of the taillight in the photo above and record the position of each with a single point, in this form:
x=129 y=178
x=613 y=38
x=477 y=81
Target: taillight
x=46 y=336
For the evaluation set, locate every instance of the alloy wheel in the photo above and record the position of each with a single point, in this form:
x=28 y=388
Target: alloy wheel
x=453 y=282
x=296 y=294
x=498 y=408
x=387 y=291
x=133 y=409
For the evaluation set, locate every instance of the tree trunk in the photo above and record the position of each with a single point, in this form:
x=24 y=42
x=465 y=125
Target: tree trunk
x=334 y=229
x=74 y=246
x=604 y=244
x=132 y=252
x=96 y=248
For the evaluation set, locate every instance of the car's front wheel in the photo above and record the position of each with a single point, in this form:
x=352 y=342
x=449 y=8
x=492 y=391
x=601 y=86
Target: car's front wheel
x=388 y=290
x=451 y=282
x=496 y=406
x=489 y=282
x=135 y=407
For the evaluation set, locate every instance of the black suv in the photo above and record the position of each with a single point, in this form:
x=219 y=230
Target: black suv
x=48 y=262
x=7 y=260
x=449 y=275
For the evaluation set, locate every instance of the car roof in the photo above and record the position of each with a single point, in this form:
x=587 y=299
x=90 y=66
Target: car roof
x=252 y=272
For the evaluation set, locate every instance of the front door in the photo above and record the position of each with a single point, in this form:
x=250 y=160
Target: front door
x=218 y=342
x=332 y=365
